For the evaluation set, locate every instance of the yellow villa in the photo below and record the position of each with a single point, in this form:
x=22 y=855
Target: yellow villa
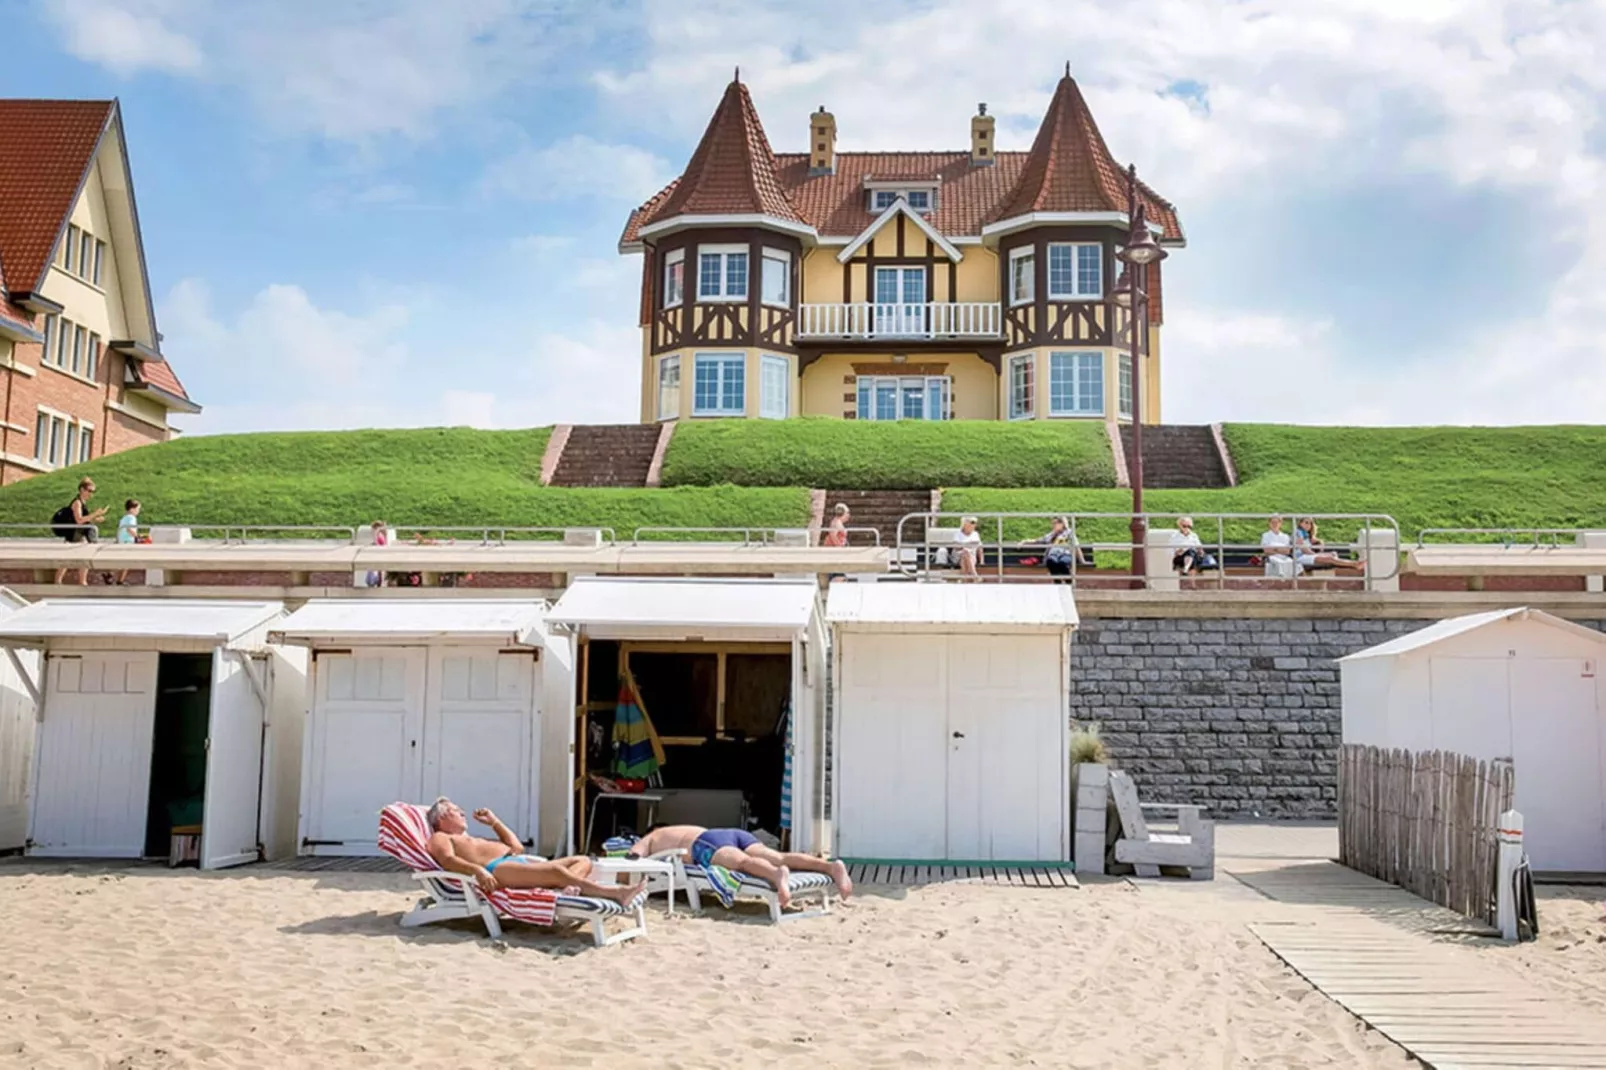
x=894 y=285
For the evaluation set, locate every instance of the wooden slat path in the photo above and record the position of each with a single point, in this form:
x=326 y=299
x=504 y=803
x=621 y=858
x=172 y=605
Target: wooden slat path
x=1328 y=884
x=912 y=874
x=1438 y=1001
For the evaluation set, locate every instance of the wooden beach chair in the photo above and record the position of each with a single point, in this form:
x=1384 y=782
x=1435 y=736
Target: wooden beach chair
x=812 y=886
x=1192 y=846
x=404 y=835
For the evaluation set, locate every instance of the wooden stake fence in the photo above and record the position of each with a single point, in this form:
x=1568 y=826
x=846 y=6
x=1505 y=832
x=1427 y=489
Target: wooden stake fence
x=1425 y=821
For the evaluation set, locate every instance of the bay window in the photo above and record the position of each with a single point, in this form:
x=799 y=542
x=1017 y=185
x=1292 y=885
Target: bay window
x=722 y=273
x=1076 y=384
x=1022 y=383
x=1075 y=271
x=674 y=277
x=1123 y=385
x=774 y=380
x=668 y=387
x=719 y=385
x=1022 y=276
x=776 y=280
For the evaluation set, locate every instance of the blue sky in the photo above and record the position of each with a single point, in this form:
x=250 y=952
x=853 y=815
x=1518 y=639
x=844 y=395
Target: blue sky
x=389 y=213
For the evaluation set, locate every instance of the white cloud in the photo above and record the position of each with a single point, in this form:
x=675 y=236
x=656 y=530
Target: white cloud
x=578 y=166
x=127 y=36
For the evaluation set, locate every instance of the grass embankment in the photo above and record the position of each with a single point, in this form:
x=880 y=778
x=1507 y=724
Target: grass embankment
x=446 y=477
x=853 y=455
x=1423 y=477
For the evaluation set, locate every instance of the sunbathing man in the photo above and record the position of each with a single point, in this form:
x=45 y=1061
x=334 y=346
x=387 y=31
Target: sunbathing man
x=741 y=852
x=502 y=863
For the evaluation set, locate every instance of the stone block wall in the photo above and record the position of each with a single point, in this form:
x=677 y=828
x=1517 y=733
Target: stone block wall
x=1240 y=715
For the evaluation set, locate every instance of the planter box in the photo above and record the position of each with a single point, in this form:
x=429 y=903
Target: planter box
x=1090 y=793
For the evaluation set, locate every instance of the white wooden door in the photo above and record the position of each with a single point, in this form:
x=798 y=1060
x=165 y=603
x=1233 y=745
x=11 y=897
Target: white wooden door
x=1556 y=730
x=1007 y=749
x=93 y=775
x=480 y=727
x=366 y=743
x=18 y=726
x=233 y=766
x=892 y=747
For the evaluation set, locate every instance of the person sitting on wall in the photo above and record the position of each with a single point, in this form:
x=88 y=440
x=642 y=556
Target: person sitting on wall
x=1309 y=553
x=741 y=852
x=1063 y=549
x=1277 y=551
x=836 y=534
x=502 y=863
x=969 y=551
x=1187 y=552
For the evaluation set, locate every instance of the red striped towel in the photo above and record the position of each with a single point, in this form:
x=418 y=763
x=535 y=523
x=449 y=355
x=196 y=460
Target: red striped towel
x=404 y=835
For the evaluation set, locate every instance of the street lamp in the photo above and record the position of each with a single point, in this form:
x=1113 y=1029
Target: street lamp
x=1141 y=251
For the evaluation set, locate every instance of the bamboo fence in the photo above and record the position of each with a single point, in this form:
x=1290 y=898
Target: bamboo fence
x=1425 y=821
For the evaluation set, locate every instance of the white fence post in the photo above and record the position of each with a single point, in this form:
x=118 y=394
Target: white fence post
x=1510 y=840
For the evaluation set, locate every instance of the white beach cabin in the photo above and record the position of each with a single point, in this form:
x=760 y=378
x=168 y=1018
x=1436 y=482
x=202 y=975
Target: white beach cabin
x=1513 y=683
x=17 y=728
x=151 y=716
x=411 y=699
x=731 y=675
x=952 y=721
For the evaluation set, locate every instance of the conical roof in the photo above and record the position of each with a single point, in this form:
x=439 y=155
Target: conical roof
x=1069 y=168
x=733 y=170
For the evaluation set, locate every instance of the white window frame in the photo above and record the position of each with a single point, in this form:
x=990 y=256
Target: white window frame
x=783 y=259
x=80 y=341
x=774 y=387
x=63 y=342
x=1075 y=292
x=724 y=252
x=100 y=260
x=86 y=436
x=876 y=195
x=47 y=353
x=725 y=360
x=92 y=356
x=1076 y=358
x=41 y=432
x=71 y=247
x=943 y=383
x=1025 y=406
x=1016 y=298
x=929 y=195
x=665 y=365
x=674 y=290
x=1123 y=385
x=86 y=253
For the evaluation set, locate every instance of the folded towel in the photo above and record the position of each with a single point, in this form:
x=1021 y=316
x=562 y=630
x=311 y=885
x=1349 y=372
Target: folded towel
x=723 y=883
x=618 y=846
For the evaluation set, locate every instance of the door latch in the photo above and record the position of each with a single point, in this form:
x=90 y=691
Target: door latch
x=959 y=735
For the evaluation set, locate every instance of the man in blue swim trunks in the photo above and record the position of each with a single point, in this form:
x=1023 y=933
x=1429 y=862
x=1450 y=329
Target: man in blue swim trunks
x=502 y=863
x=742 y=852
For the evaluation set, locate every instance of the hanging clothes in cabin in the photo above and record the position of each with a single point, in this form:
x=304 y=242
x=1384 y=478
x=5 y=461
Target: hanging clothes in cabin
x=786 y=770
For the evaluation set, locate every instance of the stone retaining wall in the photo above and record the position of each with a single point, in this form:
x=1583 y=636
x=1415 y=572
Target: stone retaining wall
x=1241 y=715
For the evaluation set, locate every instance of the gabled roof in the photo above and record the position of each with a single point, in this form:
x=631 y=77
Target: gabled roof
x=899 y=206
x=46 y=149
x=157 y=379
x=1069 y=169
x=1454 y=626
x=733 y=170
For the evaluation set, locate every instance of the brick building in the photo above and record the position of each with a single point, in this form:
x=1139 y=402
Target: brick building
x=81 y=369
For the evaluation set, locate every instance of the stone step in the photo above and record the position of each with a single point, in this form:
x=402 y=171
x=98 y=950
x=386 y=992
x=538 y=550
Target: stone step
x=879 y=509
x=607 y=455
x=1177 y=456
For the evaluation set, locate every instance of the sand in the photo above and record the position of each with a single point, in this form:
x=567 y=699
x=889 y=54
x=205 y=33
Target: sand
x=145 y=968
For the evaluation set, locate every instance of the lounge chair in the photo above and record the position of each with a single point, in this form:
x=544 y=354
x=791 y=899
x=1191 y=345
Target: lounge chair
x=698 y=883
x=404 y=835
x=1192 y=846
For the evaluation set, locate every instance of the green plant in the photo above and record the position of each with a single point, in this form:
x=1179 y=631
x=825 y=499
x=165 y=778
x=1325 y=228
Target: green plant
x=1087 y=746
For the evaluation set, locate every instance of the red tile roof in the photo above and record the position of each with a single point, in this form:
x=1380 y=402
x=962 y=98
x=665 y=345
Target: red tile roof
x=1068 y=169
x=45 y=150
x=14 y=316
x=159 y=374
x=733 y=170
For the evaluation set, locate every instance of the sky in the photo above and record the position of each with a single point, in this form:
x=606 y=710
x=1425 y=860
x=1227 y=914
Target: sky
x=406 y=212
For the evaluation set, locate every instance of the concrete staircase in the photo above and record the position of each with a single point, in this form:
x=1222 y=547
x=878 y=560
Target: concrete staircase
x=607 y=455
x=880 y=509
x=1177 y=455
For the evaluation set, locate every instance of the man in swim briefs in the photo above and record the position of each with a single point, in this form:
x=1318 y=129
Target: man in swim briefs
x=741 y=852
x=502 y=863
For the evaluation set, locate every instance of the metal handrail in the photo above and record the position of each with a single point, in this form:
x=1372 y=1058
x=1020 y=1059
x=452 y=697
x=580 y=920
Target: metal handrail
x=1508 y=535
x=241 y=533
x=495 y=534
x=750 y=536
x=1368 y=522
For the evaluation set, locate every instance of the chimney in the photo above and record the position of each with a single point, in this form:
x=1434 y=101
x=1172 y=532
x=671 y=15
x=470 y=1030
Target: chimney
x=981 y=138
x=822 y=142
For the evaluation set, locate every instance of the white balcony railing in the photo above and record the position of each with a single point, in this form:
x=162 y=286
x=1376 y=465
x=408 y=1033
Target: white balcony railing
x=934 y=319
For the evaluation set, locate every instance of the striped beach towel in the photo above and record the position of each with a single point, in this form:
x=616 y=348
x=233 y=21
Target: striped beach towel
x=404 y=835
x=786 y=776
x=637 y=751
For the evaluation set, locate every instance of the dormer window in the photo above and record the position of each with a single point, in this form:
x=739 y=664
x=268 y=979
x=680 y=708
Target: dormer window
x=922 y=198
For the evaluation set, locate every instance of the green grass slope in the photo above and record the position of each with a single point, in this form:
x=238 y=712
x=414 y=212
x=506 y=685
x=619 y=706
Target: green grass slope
x=448 y=477
x=853 y=455
x=1450 y=477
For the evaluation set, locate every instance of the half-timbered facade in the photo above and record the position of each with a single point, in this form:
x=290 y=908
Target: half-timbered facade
x=908 y=285
x=81 y=369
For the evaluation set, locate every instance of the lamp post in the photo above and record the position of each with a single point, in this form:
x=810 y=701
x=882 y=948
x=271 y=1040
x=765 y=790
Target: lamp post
x=1129 y=293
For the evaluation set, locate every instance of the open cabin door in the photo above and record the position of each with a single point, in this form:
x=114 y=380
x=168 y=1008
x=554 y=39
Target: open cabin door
x=233 y=764
x=810 y=830
x=18 y=724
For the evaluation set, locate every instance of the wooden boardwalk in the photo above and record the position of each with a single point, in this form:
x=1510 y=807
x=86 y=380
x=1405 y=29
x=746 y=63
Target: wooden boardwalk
x=1399 y=964
x=909 y=874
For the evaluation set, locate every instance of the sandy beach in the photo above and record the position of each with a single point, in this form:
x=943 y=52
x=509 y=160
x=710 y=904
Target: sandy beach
x=143 y=968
